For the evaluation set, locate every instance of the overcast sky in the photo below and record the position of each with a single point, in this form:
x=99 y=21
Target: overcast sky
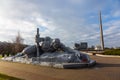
x=70 y=20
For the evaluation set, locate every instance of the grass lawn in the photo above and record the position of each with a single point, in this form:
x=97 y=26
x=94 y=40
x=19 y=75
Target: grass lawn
x=112 y=52
x=0 y=56
x=5 y=77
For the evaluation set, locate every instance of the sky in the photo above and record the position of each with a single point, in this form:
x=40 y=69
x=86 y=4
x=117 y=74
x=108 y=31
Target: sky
x=72 y=21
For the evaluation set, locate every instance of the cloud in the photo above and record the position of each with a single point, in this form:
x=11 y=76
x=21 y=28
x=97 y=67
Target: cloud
x=70 y=20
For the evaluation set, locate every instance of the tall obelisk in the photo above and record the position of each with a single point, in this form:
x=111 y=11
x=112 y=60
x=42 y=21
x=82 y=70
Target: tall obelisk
x=101 y=32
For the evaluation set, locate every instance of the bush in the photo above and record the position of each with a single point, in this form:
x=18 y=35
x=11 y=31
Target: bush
x=112 y=52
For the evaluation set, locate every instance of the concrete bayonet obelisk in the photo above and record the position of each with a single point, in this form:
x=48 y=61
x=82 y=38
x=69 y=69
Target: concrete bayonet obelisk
x=101 y=32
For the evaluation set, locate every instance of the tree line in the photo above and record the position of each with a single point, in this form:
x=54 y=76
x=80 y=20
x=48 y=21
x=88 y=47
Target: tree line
x=12 y=48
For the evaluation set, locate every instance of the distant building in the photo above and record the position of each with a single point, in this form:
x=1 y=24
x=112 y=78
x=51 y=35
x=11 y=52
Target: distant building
x=81 y=46
x=116 y=47
x=98 y=47
x=77 y=46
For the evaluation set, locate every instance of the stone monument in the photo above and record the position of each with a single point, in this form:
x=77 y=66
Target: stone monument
x=51 y=52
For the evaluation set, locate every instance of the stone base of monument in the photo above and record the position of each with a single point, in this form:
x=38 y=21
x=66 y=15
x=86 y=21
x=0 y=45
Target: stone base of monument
x=78 y=65
x=63 y=65
x=68 y=65
x=74 y=65
x=52 y=64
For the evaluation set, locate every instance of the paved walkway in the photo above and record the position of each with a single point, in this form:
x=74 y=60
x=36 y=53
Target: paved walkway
x=106 y=69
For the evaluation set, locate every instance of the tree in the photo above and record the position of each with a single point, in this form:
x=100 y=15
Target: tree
x=8 y=48
x=5 y=48
x=18 y=44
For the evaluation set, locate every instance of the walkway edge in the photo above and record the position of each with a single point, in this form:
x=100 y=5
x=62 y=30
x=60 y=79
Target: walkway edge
x=102 y=55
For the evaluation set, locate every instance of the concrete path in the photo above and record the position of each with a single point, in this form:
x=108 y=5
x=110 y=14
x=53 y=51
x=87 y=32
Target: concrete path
x=106 y=69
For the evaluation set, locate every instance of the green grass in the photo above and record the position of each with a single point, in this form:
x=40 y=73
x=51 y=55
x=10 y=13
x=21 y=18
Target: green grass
x=6 y=77
x=112 y=52
x=0 y=56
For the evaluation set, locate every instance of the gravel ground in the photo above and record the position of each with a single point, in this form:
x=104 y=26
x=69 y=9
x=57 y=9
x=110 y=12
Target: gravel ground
x=106 y=69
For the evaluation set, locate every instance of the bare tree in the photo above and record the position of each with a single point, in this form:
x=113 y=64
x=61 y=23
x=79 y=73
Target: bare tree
x=18 y=43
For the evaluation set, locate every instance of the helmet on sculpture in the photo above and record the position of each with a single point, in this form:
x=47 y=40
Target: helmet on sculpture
x=47 y=38
x=45 y=45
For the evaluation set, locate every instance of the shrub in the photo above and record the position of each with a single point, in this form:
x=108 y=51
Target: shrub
x=112 y=52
